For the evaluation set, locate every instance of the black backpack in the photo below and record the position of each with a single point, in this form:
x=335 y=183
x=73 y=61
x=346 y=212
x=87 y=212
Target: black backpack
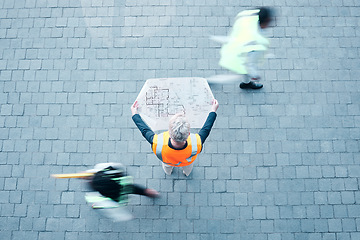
x=107 y=183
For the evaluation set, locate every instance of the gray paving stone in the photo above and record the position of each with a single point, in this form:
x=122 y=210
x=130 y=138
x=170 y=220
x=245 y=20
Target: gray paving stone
x=219 y=186
x=292 y=146
x=255 y=198
x=259 y=212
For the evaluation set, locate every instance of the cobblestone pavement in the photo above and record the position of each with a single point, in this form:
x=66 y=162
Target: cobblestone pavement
x=281 y=162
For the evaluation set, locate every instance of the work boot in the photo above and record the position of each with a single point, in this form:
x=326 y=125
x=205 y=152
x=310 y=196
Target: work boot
x=251 y=85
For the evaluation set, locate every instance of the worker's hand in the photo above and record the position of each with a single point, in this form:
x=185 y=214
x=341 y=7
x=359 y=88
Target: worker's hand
x=215 y=105
x=134 y=108
x=152 y=193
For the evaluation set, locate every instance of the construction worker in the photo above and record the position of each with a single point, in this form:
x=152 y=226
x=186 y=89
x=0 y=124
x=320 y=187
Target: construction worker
x=176 y=147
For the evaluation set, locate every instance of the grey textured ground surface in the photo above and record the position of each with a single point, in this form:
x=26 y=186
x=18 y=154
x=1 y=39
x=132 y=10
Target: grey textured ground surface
x=280 y=163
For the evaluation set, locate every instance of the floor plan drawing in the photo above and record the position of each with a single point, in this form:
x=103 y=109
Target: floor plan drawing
x=162 y=98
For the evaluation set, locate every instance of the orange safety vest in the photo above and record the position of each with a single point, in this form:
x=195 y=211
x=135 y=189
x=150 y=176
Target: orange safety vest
x=173 y=157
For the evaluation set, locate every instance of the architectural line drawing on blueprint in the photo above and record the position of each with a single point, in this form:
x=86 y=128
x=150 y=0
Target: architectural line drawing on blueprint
x=162 y=98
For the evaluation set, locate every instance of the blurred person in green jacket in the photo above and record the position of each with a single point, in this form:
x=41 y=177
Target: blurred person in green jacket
x=246 y=45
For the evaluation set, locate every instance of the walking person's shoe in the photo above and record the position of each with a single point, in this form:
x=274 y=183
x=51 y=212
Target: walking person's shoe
x=250 y=85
